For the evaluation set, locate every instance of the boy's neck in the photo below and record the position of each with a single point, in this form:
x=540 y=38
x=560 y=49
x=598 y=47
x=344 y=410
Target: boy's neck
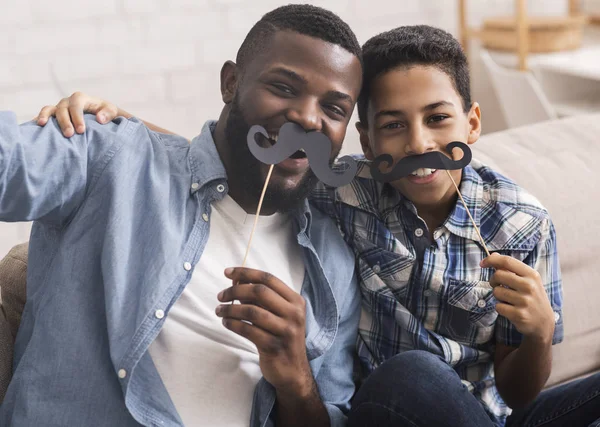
x=435 y=215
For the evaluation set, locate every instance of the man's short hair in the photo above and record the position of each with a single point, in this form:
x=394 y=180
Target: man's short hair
x=304 y=19
x=410 y=46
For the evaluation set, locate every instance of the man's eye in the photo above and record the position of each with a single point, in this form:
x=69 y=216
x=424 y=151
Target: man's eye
x=337 y=110
x=283 y=88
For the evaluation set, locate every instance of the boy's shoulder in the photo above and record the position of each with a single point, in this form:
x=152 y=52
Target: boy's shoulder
x=501 y=190
x=510 y=217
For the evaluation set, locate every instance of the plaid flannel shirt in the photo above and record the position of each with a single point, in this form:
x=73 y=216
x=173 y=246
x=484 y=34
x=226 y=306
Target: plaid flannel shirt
x=433 y=295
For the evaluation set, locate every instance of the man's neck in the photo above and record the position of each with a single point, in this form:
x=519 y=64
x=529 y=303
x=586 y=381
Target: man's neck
x=236 y=188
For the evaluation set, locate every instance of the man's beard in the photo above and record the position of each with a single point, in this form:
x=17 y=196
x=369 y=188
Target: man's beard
x=247 y=169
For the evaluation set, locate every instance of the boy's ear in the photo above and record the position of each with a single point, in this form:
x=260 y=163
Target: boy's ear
x=229 y=80
x=363 y=132
x=474 y=117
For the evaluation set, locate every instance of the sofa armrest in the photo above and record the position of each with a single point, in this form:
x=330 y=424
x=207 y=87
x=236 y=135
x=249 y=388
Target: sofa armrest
x=13 y=279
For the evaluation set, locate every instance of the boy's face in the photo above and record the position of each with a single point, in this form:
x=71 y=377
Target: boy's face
x=413 y=111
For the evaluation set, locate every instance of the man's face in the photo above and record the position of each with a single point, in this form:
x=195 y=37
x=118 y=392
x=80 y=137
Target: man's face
x=414 y=111
x=298 y=79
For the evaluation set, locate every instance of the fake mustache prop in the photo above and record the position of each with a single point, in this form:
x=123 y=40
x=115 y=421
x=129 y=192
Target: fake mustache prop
x=409 y=164
x=316 y=145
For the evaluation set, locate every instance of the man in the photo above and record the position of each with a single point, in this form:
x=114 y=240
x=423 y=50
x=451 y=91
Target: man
x=134 y=229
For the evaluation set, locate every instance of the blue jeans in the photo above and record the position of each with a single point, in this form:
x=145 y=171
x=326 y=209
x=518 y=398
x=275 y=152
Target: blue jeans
x=419 y=389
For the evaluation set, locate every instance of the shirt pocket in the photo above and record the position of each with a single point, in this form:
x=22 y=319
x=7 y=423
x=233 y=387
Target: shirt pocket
x=469 y=316
x=382 y=271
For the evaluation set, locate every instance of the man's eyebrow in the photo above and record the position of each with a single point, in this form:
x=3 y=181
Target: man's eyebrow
x=289 y=73
x=336 y=95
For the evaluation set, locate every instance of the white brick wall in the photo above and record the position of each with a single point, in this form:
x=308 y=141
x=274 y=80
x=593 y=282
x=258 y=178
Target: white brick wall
x=160 y=59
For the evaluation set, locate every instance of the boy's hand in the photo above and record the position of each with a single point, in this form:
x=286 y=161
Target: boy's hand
x=69 y=112
x=272 y=316
x=522 y=299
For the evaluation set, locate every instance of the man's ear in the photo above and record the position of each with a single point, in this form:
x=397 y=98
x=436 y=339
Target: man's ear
x=229 y=80
x=363 y=132
x=474 y=117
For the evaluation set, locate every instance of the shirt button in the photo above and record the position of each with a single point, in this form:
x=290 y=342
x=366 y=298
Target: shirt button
x=159 y=314
x=205 y=217
x=220 y=188
x=419 y=232
x=427 y=293
x=556 y=316
x=195 y=186
x=187 y=266
x=122 y=373
x=376 y=268
x=481 y=303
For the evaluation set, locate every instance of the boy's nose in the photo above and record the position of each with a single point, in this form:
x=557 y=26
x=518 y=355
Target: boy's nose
x=419 y=142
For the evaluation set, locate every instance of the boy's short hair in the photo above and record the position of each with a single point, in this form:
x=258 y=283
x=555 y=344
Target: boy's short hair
x=304 y=19
x=409 y=46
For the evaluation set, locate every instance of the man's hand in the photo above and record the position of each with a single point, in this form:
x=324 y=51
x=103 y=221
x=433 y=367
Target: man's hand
x=521 y=297
x=272 y=316
x=69 y=112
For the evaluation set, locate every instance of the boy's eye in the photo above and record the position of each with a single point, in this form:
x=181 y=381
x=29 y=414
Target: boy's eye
x=394 y=125
x=437 y=118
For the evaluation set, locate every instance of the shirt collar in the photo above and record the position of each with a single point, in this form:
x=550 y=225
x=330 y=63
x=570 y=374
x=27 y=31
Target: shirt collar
x=472 y=189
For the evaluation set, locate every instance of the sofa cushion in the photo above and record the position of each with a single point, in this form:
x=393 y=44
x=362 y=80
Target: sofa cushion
x=559 y=163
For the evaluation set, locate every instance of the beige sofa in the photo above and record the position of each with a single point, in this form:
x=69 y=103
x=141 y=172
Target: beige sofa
x=557 y=161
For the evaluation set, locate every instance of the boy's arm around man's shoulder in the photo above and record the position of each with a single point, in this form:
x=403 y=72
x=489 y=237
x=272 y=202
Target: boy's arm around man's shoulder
x=45 y=176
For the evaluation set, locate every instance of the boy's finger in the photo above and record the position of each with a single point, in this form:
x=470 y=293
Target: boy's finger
x=509 y=279
x=76 y=113
x=107 y=113
x=45 y=114
x=64 y=121
x=504 y=262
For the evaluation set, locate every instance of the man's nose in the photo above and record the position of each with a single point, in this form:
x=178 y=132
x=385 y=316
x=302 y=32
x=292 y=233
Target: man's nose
x=306 y=113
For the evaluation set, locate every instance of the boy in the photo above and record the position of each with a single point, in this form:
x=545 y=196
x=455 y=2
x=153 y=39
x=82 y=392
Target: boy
x=460 y=350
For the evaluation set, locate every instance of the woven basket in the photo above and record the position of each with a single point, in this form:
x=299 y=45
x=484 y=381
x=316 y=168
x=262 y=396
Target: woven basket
x=546 y=34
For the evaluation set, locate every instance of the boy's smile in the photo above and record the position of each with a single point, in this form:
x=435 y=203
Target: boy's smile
x=413 y=111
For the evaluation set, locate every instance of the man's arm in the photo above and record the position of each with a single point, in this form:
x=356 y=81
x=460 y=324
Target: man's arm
x=69 y=114
x=528 y=300
x=42 y=174
x=273 y=317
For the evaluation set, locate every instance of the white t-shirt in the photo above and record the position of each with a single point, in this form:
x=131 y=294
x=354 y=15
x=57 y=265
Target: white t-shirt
x=209 y=371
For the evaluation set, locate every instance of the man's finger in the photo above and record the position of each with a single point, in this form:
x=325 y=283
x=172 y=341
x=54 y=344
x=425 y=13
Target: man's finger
x=504 y=262
x=264 y=341
x=256 y=315
x=248 y=275
x=256 y=294
x=63 y=117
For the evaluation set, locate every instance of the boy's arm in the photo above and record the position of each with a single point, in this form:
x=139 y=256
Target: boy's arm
x=527 y=327
x=42 y=174
x=69 y=114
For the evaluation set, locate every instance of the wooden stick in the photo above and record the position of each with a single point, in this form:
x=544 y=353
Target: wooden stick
x=260 y=202
x=468 y=213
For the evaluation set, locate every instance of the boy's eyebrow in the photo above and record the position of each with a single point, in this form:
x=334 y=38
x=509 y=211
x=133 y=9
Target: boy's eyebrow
x=425 y=108
x=438 y=104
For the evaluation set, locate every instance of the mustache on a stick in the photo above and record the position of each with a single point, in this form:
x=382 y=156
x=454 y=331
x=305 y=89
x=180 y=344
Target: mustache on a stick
x=317 y=146
x=409 y=164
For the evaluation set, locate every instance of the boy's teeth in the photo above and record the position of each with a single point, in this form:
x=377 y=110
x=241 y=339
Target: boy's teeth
x=423 y=172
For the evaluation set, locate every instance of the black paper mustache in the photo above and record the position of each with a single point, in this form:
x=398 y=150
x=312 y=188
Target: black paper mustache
x=316 y=145
x=431 y=160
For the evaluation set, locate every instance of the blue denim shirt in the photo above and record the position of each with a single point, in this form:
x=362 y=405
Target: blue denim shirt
x=119 y=212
